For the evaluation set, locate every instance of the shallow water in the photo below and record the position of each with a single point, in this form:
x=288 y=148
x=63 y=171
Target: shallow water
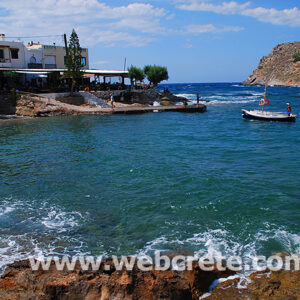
x=133 y=184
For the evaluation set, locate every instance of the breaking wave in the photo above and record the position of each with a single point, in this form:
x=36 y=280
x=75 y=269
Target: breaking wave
x=29 y=229
x=223 y=99
x=220 y=241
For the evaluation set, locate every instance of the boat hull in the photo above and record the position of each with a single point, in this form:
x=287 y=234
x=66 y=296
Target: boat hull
x=268 y=116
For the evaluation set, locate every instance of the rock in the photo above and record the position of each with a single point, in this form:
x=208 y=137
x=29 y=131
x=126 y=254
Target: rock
x=166 y=102
x=279 y=68
x=264 y=285
x=146 y=97
x=74 y=100
x=20 y=282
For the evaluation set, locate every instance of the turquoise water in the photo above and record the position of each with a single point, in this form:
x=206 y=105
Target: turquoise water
x=170 y=181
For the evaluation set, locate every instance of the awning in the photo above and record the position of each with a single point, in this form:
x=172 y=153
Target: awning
x=89 y=72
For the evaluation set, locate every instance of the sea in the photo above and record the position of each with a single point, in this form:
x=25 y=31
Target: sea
x=132 y=184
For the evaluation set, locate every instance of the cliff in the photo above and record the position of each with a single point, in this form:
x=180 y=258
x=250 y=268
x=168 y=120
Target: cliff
x=280 y=68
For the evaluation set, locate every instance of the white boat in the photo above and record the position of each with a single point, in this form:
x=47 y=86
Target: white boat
x=268 y=115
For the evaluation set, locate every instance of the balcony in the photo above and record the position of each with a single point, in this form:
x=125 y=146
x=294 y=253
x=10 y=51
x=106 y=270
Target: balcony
x=5 y=63
x=50 y=66
x=35 y=66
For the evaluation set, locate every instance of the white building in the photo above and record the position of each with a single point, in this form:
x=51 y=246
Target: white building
x=12 y=54
x=35 y=56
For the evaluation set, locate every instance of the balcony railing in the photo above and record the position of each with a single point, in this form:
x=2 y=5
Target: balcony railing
x=5 y=60
x=50 y=66
x=35 y=66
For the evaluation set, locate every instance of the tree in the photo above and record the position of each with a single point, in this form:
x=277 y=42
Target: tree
x=136 y=74
x=73 y=60
x=156 y=74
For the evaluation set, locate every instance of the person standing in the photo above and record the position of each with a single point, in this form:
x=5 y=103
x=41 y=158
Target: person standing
x=112 y=100
x=288 y=108
x=198 y=99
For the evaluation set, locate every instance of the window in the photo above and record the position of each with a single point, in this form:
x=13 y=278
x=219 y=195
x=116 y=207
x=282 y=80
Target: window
x=82 y=60
x=1 y=54
x=14 y=53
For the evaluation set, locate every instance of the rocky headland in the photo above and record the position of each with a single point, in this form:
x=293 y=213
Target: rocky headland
x=20 y=282
x=280 y=68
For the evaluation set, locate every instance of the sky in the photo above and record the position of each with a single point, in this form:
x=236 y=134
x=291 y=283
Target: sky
x=197 y=40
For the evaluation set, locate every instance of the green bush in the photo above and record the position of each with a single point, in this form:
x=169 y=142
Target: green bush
x=296 y=57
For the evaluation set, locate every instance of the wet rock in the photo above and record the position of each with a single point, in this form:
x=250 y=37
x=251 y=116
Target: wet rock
x=20 y=282
x=264 y=285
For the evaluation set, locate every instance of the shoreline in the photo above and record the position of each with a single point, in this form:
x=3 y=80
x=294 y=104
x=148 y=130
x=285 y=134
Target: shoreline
x=34 y=105
x=111 y=281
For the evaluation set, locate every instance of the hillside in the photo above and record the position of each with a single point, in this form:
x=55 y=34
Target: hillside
x=281 y=67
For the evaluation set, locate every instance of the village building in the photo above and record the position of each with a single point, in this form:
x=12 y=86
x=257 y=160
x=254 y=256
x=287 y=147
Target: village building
x=12 y=54
x=35 y=56
x=40 y=56
x=42 y=65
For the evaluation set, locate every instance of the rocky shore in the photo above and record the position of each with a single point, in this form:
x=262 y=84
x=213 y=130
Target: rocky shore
x=145 y=97
x=20 y=282
x=279 y=68
x=53 y=104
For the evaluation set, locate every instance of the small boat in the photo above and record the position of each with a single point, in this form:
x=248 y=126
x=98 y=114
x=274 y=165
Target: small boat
x=268 y=115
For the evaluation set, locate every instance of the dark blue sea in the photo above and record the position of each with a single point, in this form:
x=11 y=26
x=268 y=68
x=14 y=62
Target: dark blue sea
x=132 y=184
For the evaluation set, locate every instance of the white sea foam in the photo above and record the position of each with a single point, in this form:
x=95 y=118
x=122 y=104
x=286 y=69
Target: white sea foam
x=221 y=99
x=6 y=210
x=44 y=230
x=187 y=96
x=220 y=102
x=222 y=242
x=61 y=221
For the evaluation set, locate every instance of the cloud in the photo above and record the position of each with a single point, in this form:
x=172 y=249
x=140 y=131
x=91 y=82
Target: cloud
x=288 y=17
x=94 y=21
x=143 y=25
x=225 y=8
x=197 y=29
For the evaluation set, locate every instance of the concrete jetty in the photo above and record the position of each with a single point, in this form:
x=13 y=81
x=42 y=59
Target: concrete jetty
x=176 y=108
